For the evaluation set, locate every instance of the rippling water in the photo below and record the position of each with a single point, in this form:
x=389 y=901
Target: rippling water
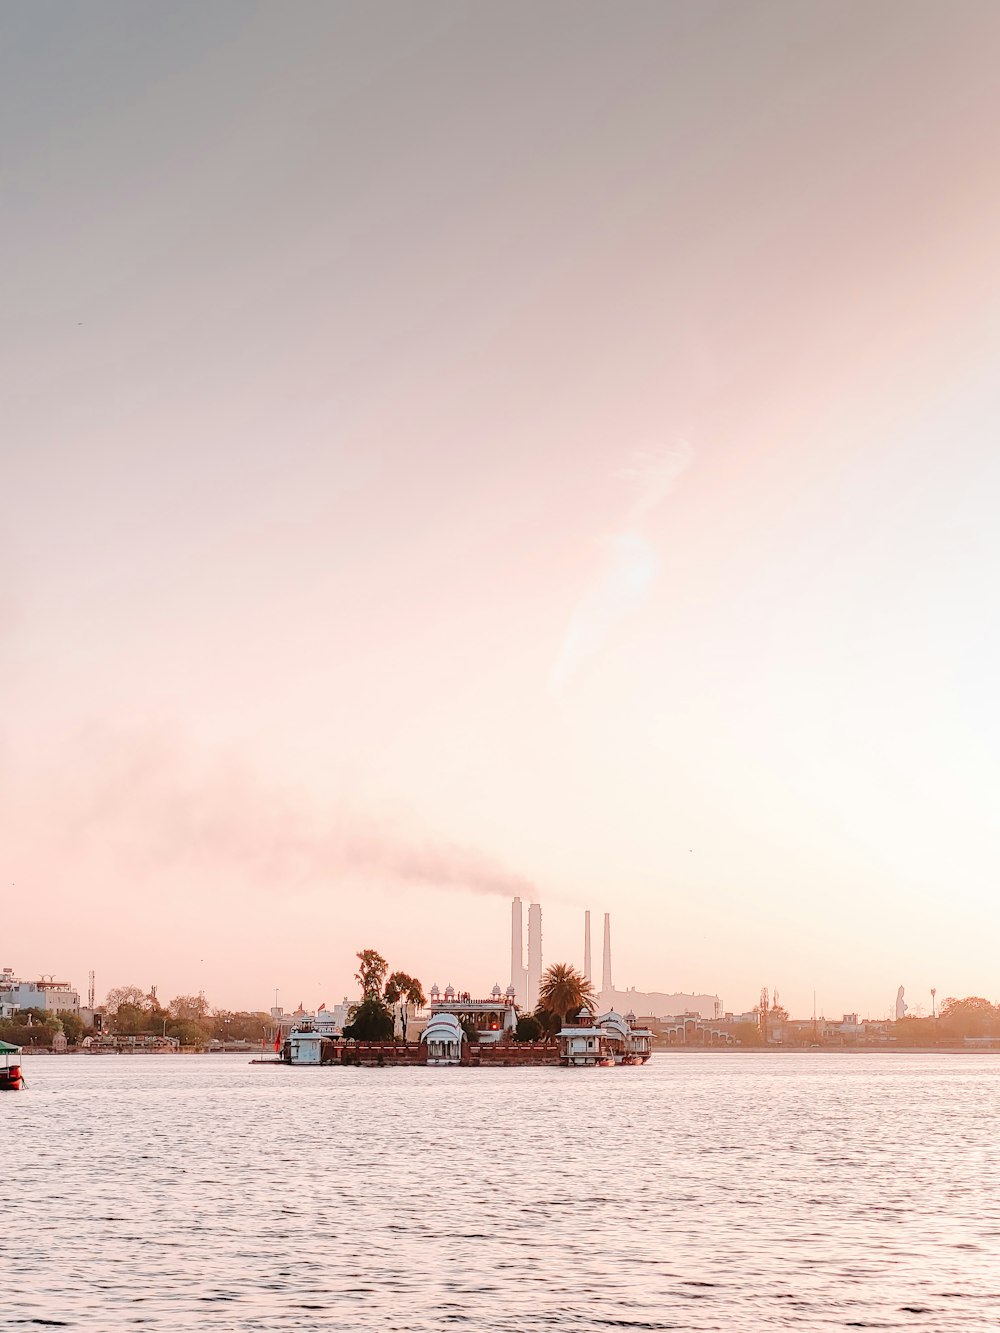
x=712 y=1191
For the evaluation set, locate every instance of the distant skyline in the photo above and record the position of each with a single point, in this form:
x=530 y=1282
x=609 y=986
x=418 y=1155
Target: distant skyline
x=464 y=450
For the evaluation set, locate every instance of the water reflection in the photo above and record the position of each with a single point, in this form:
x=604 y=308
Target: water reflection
x=704 y=1191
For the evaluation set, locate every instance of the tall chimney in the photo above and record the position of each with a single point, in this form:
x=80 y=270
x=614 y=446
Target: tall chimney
x=517 y=951
x=534 y=952
x=606 y=984
x=587 y=971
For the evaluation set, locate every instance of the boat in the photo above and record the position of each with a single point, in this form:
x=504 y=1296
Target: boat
x=10 y=1067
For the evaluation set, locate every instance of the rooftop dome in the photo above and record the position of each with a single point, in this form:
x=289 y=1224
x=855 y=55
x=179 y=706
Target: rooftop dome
x=613 y=1020
x=496 y=991
x=443 y=1027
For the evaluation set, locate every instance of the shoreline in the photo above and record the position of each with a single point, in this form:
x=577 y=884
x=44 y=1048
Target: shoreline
x=664 y=1050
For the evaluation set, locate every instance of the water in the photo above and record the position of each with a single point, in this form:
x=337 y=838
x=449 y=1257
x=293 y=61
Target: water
x=714 y=1191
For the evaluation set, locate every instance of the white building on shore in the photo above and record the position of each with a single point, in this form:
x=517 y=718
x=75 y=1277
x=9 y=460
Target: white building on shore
x=53 y=996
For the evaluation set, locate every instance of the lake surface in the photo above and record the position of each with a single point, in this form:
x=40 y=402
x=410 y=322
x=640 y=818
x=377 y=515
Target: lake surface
x=703 y=1191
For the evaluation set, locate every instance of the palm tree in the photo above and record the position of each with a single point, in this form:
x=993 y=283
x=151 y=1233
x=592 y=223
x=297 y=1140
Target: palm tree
x=404 y=990
x=564 y=991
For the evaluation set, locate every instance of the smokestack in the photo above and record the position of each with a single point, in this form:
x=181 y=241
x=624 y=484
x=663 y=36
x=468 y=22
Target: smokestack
x=587 y=972
x=517 y=951
x=534 y=952
x=606 y=984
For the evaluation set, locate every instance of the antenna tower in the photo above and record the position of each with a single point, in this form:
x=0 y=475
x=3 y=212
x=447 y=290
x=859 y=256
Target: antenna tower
x=762 y=1015
x=90 y=989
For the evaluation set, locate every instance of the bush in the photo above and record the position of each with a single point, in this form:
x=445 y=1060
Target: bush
x=528 y=1029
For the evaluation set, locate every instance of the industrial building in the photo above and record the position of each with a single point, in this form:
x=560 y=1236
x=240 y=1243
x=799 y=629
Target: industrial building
x=525 y=980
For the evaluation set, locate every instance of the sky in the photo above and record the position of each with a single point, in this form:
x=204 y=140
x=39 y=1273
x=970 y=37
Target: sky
x=458 y=450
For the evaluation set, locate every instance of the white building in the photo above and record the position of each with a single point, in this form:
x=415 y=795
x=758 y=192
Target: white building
x=46 y=993
x=311 y=1040
x=444 y=1036
x=491 y=1017
x=609 y=1039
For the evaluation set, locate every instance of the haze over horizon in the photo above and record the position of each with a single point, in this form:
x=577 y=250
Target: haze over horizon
x=463 y=450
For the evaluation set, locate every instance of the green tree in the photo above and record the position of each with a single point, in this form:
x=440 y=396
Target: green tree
x=187 y=1033
x=563 y=992
x=548 y=1021
x=402 y=990
x=528 y=1028
x=370 y=975
x=129 y=1020
x=371 y=1021
x=72 y=1026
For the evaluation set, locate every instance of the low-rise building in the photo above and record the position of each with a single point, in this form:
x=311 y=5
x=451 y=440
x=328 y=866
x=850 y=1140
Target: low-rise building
x=606 y=1039
x=53 y=996
x=690 y=1029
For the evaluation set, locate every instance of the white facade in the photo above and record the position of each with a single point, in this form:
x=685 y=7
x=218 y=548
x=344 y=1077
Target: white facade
x=443 y=1036
x=306 y=1048
x=305 y=1042
x=610 y=1039
x=53 y=996
x=491 y=1018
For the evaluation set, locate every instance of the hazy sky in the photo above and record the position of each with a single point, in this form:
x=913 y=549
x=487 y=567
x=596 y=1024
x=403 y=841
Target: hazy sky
x=453 y=449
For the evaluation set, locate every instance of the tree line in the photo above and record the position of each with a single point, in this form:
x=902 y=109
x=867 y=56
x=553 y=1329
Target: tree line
x=188 y=1019
x=40 y=1027
x=129 y=1011
x=972 y=1016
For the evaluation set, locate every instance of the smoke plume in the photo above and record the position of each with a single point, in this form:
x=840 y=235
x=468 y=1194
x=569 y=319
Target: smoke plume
x=144 y=808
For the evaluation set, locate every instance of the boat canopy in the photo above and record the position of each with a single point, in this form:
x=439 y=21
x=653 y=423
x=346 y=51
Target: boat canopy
x=7 y=1049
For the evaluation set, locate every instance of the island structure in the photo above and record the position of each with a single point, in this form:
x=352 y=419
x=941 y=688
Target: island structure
x=459 y=1029
x=610 y=1039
